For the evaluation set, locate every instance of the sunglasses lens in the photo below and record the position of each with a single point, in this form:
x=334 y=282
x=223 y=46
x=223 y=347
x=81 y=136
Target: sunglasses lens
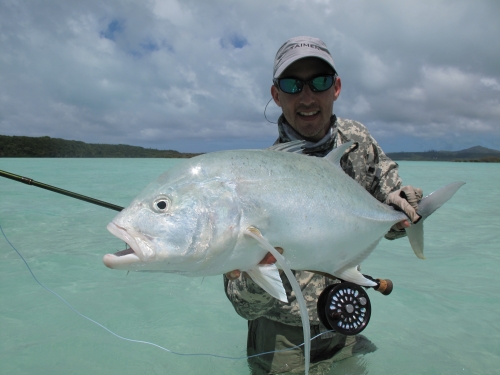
x=290 y=85
x=318 y=84
x=322 y=83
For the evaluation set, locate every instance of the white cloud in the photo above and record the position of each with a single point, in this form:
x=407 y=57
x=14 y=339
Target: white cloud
x=492 y=83
x=174 y=12
x=360 y=106
x=195 y=75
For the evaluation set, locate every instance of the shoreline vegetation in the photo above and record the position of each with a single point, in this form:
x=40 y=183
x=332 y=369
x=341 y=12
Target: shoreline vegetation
x=476 y=154
x=47 y=147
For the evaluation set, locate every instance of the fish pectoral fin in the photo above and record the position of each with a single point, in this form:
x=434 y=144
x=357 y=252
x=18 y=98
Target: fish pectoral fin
x=268 y=278
x=304 y=316
x=354 y=276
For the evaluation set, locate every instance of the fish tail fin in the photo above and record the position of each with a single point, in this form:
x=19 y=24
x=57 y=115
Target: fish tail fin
x=426 y=207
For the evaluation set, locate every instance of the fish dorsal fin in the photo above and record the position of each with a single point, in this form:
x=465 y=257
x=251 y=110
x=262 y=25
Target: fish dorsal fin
x=354 y=276
x=293 y=146
x=336 y=154
x=268 y=278
x=255 y=233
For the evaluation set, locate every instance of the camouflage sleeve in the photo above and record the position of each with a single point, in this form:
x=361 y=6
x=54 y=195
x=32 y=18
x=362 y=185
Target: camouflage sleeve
x=367 y=163
x=371 y=167
x=248 y=299
x=251 y=302
x=388 y=182
x=389 y=179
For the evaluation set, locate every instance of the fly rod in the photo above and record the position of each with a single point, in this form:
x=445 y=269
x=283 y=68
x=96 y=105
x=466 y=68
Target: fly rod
x=30 y=181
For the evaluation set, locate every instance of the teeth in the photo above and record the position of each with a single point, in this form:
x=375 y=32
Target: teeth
x=308 y=113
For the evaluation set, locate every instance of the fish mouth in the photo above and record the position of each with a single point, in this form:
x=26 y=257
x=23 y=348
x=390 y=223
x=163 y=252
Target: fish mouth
x=125 y=258
x=124 y=252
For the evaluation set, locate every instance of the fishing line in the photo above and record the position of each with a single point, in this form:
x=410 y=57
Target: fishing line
x=140 y=341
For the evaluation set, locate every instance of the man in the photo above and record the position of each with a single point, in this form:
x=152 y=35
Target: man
x=305 y=86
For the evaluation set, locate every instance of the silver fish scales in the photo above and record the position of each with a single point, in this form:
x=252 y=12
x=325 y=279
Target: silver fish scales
x=225 y=210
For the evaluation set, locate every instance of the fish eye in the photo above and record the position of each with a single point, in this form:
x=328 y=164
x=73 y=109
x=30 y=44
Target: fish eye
x=161 y=204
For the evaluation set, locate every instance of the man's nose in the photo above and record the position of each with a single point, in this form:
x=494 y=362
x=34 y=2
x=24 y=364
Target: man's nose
x=307 y=95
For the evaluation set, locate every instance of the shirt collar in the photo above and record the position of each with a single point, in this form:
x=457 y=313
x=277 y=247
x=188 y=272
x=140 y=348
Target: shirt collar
x=320 y=148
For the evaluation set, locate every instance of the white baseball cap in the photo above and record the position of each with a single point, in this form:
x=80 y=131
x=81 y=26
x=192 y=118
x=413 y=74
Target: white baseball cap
x=298 y=48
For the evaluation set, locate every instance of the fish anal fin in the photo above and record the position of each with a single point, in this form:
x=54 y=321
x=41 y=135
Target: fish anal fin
x=354 y=276
x=268 y=278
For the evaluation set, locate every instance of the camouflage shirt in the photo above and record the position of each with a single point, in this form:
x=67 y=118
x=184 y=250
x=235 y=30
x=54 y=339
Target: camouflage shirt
x=371 y=168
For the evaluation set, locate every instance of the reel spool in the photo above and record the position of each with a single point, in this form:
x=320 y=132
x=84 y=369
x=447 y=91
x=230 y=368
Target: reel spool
x=344 y=308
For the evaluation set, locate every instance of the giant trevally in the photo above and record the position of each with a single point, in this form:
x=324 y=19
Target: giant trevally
x=223 y=211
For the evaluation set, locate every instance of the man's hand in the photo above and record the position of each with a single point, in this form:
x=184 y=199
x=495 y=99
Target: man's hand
x=406 y=199
x=268 y=259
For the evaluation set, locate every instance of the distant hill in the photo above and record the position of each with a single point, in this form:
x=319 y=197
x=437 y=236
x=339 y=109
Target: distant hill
x=47 y=147
x=473 y=154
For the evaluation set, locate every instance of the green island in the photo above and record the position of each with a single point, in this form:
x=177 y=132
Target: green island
x=47 y=147
x=476 y=154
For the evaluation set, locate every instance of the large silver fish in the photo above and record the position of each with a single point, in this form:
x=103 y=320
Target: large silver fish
x=225 y=210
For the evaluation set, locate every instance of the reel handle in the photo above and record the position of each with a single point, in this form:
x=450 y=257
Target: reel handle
x=384 y=286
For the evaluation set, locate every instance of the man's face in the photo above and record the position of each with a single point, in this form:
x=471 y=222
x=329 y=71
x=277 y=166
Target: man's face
x=308 y=112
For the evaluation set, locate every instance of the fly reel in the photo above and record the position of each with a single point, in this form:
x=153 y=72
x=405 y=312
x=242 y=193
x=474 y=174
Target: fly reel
x=344 y=308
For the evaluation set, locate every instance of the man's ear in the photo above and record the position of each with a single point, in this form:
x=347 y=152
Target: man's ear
x=337 y=87
x=276 y=95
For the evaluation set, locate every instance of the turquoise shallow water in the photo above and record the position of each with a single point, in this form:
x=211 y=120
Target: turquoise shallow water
x=442 y=318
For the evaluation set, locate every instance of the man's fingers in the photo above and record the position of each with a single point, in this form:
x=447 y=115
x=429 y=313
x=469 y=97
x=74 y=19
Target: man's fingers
x=233 y=275
x=406 y=199
x=268 y=259
x=401 y=225
x=412 y=195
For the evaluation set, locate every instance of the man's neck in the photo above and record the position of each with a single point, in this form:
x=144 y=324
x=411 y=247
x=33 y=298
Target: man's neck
x=319 y=148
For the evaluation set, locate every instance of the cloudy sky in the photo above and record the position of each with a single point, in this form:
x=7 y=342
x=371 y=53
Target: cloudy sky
x=195 y=75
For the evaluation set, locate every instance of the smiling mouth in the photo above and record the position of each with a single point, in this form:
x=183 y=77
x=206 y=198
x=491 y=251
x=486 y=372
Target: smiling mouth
x=308 y=114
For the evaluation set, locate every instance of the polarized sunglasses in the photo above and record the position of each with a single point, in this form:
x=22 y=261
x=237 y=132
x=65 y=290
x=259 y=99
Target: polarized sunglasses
x=295 y=85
